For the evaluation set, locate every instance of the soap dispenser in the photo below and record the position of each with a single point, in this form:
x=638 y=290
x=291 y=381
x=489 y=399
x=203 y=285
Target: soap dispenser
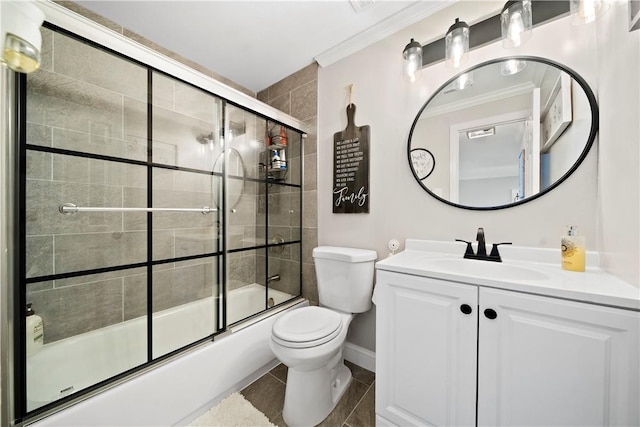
x=573 y=250
x=35 y=332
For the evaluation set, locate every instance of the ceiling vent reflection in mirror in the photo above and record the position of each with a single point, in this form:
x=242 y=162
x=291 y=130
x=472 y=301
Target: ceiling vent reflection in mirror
x=536 y=128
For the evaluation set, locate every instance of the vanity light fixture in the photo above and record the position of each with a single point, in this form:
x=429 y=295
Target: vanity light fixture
x=412 y=56
x=20 y=37
x=586 y=11
x=516 y=23
x=457 y=44
x=481 y=133
x=512 y=66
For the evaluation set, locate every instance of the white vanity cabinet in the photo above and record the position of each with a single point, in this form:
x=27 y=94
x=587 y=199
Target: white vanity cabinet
x=425 y=351
x=516 y=359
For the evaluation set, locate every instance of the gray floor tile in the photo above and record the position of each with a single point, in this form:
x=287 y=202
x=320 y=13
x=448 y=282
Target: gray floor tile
x=279 y=421
x=361 y=374
x=267 y=395
x=355 y=409
x=280 y=372
x=365 y=413
x=349 y=400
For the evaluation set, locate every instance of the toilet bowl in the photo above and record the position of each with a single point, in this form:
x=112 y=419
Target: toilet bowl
x=317 y=377
x=310 y=340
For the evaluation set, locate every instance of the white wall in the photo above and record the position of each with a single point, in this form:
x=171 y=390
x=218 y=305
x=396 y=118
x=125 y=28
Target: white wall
x=399 y=208
x=619 y=152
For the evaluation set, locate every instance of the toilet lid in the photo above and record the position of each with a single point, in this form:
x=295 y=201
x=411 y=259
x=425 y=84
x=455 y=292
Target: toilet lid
x=307 y=327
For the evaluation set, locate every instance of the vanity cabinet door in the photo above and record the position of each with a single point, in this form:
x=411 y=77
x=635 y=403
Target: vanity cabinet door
x=426 y=351
x=545 y=361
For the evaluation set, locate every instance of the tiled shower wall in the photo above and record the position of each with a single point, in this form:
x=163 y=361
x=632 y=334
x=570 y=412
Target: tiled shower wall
x=101 y=109
x=297 y=95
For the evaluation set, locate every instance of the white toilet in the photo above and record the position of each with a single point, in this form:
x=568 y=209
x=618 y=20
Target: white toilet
x=309 y=340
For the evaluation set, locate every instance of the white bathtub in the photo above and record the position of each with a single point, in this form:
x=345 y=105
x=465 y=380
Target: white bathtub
x=169 y=394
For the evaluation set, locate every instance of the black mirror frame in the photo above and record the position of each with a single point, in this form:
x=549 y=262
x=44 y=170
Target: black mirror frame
x=595 y=122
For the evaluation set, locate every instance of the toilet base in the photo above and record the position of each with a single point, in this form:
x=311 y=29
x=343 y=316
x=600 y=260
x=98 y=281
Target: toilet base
x=310 y=396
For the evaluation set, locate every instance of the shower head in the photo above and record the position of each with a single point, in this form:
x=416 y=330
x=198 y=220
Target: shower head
x=206 y=138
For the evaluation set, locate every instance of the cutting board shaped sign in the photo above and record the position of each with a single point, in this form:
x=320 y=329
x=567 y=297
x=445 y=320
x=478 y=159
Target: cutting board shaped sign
x=351 y=167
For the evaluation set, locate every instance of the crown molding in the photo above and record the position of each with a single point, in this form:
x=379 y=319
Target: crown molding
x=383 y=29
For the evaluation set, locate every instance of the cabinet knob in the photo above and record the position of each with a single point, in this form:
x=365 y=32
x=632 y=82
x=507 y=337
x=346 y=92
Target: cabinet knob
x=490 y=313
x=466 y=308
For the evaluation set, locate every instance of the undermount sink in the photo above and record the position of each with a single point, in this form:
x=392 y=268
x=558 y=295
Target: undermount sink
x=485 y=269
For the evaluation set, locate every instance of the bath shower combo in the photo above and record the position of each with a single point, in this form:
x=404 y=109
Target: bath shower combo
x=143 y=231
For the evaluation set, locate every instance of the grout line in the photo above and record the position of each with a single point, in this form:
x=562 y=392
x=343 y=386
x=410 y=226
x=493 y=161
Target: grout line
x=276 y=416
x=359 y=401
x=277 y=378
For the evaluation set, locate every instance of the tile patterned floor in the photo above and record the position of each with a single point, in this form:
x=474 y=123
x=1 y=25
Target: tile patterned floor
x=355 y=409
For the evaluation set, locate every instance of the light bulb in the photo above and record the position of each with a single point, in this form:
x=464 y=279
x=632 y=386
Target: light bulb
x=515 y=28
x=457 y=44
x=587 y=11
x=457 y=51
x=412 y=55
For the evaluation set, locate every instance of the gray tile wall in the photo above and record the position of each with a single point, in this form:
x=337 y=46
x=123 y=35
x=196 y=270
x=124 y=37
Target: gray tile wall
x=93 y=125
x=89 y=101
x=297 y=95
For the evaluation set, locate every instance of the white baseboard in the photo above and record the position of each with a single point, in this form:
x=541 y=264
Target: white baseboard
x=360 y=356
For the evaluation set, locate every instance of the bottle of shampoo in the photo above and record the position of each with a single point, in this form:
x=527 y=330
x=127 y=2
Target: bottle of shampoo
x=283 y=136
x=35 y=332
x=283 y=159
x=275 y=160
x=573 y=250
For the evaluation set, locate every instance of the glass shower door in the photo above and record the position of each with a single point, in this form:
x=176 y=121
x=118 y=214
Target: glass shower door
x=264 y=199
x=82 y=146
x=152 y=216
x=187 y=248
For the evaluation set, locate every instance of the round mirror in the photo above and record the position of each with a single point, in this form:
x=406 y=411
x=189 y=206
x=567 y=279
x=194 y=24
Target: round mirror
x=502 y=133
x=235 y=174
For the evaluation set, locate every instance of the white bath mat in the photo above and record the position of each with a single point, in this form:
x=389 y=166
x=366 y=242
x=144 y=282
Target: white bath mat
x=234 y=411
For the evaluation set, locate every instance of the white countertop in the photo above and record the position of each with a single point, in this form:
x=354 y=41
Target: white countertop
x=593 y=286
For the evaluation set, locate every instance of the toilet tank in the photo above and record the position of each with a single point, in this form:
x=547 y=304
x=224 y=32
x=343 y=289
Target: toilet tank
x=345 y=277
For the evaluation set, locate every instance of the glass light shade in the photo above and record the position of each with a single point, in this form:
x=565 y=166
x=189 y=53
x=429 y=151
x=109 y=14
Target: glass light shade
x=20 y=55
x=516 y=23
x=512 y=66
x=457 y=44
x=20 y=35
x=412 y=56
x=586 y=11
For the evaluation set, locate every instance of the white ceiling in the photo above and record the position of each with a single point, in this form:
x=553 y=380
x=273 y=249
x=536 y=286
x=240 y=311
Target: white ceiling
x=257 y=43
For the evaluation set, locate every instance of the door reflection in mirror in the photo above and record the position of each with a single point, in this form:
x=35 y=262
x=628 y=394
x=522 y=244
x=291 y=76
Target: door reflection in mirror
x=543 y=118
x=489 y=163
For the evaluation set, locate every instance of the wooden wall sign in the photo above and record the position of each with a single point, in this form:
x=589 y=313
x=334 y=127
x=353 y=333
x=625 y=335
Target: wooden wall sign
x=351 y=167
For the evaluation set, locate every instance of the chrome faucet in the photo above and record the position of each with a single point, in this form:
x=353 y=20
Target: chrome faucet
x=274 y=278
x=481 y=252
